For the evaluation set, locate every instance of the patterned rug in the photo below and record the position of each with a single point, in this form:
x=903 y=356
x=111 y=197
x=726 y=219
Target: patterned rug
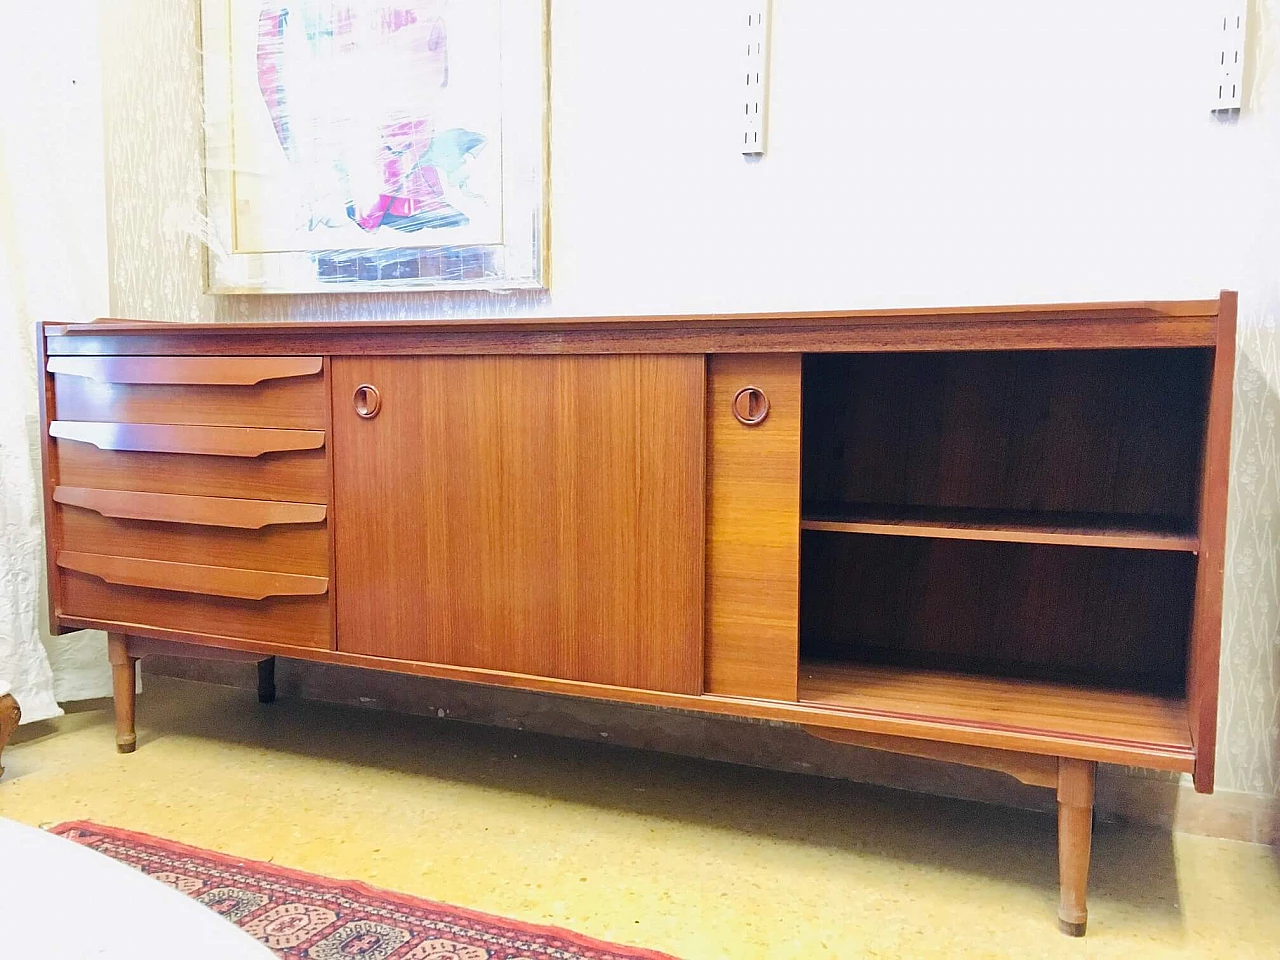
x=305 y=916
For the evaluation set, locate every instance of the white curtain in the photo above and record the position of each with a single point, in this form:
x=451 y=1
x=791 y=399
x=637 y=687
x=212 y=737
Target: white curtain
x=52 y=267
x=24 y=666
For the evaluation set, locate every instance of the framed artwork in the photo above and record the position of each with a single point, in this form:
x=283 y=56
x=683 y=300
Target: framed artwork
x=375 y=144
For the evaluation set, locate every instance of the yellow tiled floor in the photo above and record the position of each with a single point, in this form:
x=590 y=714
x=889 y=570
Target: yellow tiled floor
x=699 y=859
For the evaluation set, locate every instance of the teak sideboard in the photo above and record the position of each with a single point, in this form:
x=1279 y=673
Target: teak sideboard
x=990 y=536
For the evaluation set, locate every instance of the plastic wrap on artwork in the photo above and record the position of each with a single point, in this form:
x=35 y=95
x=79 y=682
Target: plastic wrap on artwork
x=375 y=144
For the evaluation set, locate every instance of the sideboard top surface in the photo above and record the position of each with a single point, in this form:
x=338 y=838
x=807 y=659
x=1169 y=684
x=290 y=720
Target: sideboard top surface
x=1183 y=323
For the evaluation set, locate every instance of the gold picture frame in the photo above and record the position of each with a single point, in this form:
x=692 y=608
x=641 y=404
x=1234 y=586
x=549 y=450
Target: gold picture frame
x=375 y=145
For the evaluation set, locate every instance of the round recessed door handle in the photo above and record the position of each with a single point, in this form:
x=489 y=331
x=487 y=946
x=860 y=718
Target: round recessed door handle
x=367 y=400
x=750 y=406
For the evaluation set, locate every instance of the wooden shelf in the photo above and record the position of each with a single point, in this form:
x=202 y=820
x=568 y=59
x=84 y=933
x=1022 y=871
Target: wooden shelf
x=1146 y=721
x=1063 y=529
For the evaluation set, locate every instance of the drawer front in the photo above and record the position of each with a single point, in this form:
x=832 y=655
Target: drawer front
x=246 y=534
x=191 y=494
x=282 y=392
x=301 y=621
x=298 y=475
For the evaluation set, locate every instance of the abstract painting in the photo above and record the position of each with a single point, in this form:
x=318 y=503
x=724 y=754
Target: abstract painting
x=375 y=144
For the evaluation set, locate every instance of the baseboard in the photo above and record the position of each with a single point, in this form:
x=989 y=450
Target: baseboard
x=1133 y=797
x=1122 y=794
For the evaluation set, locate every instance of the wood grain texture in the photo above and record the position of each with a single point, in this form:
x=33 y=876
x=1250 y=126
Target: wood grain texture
x=753 y=530
x=1090 y=431
x=170 y=438
x=1028 y=768
x=176 y=508
x=190 y=628
x=1075 y=837
x=192 y=577
x=221 y=371
x=143 y=647
x=10 y=717
x=533 y=515
x=1097 y=713
x=1048 y=439
x=1003 y=526
x=1049 y=326
x=1094 y=614
x=283 y=622
x=1141 y=310
x=49 y=476
x=287 y=404
x=301 y=548
x=1206 y=629
x=296 y=476
x=329 y=473
x=124 y=689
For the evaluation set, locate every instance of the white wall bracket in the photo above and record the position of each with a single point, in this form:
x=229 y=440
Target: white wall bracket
x=1230 y=26
x=755 y=69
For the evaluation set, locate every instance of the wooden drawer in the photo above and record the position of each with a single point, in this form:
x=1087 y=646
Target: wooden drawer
x=246 y=534
x=222 y=391
x=291 y=474
x=196 y=600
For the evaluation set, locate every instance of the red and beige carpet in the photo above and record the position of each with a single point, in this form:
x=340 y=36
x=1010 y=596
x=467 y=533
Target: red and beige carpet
x=305 y=916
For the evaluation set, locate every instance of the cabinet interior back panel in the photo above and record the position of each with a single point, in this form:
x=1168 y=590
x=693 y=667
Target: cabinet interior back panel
x=1077 y=431
x=1097 y=615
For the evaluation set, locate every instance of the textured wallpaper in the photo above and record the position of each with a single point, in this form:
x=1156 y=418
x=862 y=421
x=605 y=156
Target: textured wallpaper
x=1249 y=711
x=155 y=188
x=154 y=144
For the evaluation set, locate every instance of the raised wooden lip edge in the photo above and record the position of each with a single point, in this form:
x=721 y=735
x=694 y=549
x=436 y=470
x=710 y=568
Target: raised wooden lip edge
x=241 y=514
x=230 y=582
x=1153 y=310
x=995 y=724
x=1205 y=648
x=1011 y=533
x=238 y=370
x=991 y=724
x=265 y=439
x=1158 y=756
x=50 y=474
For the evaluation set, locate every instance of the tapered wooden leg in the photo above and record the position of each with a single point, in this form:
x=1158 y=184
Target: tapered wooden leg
x=124 y=674
x=10 y=716
x=1075 y=835
x=267 y=680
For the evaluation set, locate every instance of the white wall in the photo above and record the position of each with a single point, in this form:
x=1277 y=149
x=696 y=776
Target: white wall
x=927 y=153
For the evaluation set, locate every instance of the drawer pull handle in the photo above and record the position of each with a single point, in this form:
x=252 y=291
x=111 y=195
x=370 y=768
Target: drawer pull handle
x=201 y=511
x=174 y=438
x=203 y=371
x=193 y=578
x=367 y=400
x=750 y=406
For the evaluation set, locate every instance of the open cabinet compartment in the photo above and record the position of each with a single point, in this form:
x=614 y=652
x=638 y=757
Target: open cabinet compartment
x=1005 y=537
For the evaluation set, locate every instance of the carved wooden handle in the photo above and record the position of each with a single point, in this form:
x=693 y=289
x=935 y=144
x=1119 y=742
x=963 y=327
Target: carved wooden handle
x=750 y=406
x=179 y=438
x=221 y=371
x=193 y=577
x=367 y=400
